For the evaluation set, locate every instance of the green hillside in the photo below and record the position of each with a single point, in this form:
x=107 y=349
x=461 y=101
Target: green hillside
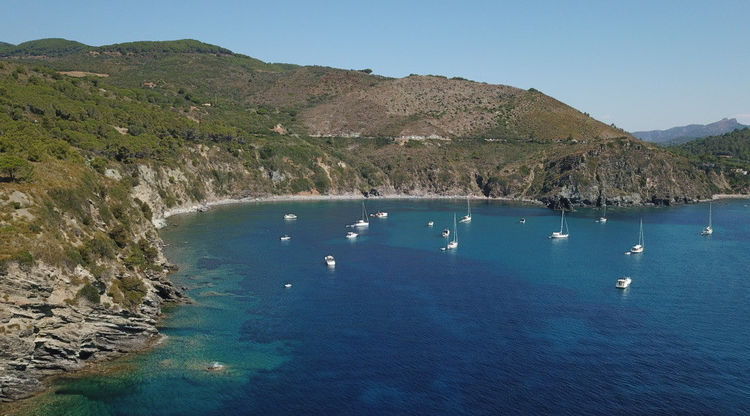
x=728 y=154
x=333 y=102
x=53 y=47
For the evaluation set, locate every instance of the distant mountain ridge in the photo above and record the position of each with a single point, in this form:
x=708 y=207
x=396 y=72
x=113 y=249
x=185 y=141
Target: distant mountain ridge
x=682 y=134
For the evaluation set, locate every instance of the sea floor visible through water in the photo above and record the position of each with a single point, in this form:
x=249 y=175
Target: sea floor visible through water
x=510 y=322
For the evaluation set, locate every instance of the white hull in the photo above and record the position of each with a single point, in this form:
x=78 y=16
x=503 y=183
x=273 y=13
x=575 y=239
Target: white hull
x=330 y=261
x=290 y=217
x=285 y=238
x=351 y=235
x=707 y=231
x=623 y=283
x=465 y=219
x=557 y=234
x=361 y=224
x=601 y=220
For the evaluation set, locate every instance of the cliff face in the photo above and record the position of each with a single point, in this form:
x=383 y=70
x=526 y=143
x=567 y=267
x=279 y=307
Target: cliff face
x=86 y=282
x=43 y=333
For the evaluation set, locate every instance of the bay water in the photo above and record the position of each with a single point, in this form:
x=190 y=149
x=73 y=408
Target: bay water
x=510 y=322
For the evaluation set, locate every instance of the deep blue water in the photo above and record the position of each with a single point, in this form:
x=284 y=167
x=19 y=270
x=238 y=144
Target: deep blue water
x=509 y=323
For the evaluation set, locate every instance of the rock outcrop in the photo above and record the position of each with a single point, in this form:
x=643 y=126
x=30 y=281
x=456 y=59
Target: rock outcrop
x=45 y=329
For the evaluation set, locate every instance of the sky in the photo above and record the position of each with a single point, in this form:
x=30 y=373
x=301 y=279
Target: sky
x=641 y=65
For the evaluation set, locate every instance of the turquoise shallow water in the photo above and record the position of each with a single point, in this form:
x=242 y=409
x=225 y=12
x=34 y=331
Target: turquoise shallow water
x=509 y=323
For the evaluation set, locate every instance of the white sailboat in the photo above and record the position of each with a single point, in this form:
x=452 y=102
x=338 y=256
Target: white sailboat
x=467 y=217
x=454 y=242
x=638 y=248
x=560 y=234
x=351 y=234
x=709 y=229
x=363 y=222
x=290 y=216
x=603 y=218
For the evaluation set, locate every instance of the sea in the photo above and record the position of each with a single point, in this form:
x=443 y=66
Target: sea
x=509 y=323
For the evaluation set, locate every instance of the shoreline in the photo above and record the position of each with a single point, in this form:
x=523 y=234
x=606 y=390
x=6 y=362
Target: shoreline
x=161 y=222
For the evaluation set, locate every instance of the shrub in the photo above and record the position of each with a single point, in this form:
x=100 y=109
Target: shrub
x=88 y=292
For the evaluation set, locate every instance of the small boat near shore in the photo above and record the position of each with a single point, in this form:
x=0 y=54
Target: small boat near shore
x=362 y=222
x=285 y=238
x=561 y=234
x=330 y=261
x=467 y=217
x=351 y=235
x=380 y=214
x=290 y=216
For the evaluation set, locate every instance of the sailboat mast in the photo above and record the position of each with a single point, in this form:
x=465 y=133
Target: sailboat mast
x=640 y=235
x=709 y=215
x=562 y=219
x=455 y=229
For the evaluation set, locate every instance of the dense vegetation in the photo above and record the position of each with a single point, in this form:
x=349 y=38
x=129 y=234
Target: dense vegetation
x=728 y=154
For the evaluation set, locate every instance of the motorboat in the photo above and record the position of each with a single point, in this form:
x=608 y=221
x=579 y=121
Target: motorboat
x=330 y=261
x=285 y=238
x=623 y=283
x=290 y=216
x=351 y=234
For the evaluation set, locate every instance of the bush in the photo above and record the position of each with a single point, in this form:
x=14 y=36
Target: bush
x=88 y=292
x=129 y=292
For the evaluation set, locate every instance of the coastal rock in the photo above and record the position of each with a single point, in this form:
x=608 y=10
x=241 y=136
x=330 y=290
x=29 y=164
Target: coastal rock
x=45 y=330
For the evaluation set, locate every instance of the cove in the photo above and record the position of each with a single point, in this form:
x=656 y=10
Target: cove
x=509 y=323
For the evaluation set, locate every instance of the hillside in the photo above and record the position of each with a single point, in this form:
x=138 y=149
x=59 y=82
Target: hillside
x=98 y=143
x=727 y=155
x=327 y=101
x=682 y=134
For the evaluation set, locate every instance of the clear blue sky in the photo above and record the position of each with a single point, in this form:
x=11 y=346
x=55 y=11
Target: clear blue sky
x=639 y=64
